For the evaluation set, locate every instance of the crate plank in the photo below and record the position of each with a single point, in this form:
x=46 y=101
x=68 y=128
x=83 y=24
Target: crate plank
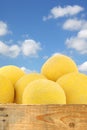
x=43 y=117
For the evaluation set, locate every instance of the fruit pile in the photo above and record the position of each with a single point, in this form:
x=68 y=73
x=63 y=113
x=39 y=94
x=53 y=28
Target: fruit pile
x=59 y=82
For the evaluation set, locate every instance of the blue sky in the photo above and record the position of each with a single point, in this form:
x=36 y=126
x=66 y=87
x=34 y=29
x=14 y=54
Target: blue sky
x=33 y=30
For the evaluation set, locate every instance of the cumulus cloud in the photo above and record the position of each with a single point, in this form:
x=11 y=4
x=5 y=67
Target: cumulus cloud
x=11 y=51
x=59 y=11
x=82 y=34
x=83 y=67
x=26 y=70
x=30 y=48
x=75 y=24
x=79 y=44
x=72 y=24
x=3 y=28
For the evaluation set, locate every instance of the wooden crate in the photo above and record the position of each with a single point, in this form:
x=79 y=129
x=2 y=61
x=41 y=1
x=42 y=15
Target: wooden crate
x=43 y=117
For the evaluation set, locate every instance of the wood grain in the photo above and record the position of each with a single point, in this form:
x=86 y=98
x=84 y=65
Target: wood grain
x=43 y=117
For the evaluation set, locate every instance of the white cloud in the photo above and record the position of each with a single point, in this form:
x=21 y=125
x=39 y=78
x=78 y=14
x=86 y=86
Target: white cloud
x=83 y=67
x=74 y=24
x=3 y=28
x=59 y=11
x=83 y=34
x=26 y=70
x=30 y=48
x=3 y=48
x=79 y=44
x=11 y=51
x=14 y=51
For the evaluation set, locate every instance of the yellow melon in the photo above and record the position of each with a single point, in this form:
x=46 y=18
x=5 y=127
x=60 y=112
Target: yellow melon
x=6 y=90
x=43 y=91
x=12 y=72
x=58 y=65
x=22 y=83
x=75 y=87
